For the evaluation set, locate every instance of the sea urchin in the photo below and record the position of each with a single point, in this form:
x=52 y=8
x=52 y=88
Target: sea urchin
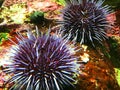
x=44 y=62
x=85 y=20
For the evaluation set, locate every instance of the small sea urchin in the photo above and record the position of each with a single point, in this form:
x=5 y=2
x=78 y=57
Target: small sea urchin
x=42 y=62
x=85 y=20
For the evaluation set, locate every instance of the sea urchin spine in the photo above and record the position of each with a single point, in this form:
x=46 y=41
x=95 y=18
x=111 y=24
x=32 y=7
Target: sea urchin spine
x=86 y=20
x=44 y=62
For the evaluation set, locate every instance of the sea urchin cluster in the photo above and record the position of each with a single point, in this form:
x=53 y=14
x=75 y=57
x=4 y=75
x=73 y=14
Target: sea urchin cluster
x=85 y=20
x=44 y=62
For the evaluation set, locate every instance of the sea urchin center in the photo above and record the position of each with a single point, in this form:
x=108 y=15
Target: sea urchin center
x=44 y=62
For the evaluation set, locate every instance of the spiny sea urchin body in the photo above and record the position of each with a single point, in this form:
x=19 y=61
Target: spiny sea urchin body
x=85 y=20
x=43 y=62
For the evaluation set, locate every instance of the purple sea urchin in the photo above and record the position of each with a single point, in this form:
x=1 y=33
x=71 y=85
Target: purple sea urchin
x=85 y=20
x=44 y=62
